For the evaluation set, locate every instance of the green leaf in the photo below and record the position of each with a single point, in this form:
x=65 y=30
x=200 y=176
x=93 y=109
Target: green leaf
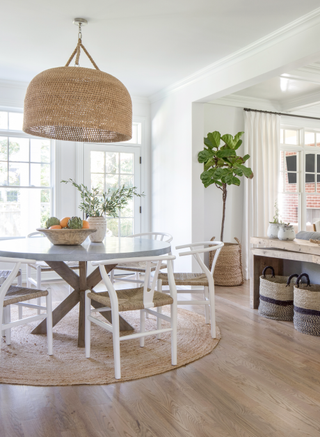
x=235 y=181
x=225 y=153
x=228 y=139
x=205 y=155
x=213 y=140
x=209 y=163
x=238 y=136
x=246 y=170
x=238 y=145
x=232 y=141
x=206 y=179
x=238 y=171
x=245 y=158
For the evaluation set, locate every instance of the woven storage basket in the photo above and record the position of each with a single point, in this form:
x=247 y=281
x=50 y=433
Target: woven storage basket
x=228 y=270
x=306 y=303
x=276 y=296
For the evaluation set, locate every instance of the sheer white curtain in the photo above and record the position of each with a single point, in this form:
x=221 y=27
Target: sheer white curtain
x=262 y=143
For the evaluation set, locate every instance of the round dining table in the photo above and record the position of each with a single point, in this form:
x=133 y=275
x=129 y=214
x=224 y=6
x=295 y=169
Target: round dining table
x=56 y=256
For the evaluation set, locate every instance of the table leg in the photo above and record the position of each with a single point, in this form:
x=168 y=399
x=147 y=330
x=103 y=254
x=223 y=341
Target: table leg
x=58 y=313
x=80 y=284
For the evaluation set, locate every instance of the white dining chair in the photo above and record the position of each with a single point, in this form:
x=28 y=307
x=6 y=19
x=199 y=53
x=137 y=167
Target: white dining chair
x=18 y=295
x=140 y=298
x=3 y=276
x=137 y=268
x=203 y=280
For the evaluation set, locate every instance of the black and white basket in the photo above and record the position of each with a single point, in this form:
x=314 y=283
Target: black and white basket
x=276 y=296
x=306 y=307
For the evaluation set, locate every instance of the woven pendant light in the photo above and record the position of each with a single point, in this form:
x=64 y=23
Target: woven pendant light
x=78 y=104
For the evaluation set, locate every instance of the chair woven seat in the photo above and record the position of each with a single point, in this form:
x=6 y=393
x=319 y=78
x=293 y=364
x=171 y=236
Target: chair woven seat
x=131 y=299
x=5 y=273
x=139 y=267
x=19 y=294
x=185 y=279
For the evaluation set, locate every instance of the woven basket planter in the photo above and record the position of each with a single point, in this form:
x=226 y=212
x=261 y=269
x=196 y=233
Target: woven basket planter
x=276 y=296
x=306 y=302
x=228 y=270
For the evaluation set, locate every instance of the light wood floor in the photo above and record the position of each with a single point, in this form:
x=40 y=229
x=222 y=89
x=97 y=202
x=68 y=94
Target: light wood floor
x=263 y=380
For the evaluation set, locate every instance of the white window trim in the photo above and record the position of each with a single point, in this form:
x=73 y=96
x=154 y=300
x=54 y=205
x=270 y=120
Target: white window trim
x=302 y=125
x=21 y=134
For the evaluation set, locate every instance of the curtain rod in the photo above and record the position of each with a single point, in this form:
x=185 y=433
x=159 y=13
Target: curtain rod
x=281 y=113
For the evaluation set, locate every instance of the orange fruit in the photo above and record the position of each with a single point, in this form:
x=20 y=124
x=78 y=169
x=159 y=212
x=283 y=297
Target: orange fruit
x=85 y=224
x=55 y=227
x=64 y=222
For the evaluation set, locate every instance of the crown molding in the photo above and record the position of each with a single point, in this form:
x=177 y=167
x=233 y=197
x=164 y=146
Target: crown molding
x=140 y=99
x=297 y=103
x=293 y=28
x=247 y=102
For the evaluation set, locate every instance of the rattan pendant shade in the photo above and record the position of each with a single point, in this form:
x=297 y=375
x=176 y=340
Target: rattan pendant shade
x=78 y=104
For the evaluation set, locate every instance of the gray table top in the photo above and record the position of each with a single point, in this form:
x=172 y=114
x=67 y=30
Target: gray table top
x=40 y=249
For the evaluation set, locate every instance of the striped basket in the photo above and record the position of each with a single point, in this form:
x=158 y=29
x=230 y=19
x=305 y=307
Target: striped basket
x=276 y=296
x=306 y=317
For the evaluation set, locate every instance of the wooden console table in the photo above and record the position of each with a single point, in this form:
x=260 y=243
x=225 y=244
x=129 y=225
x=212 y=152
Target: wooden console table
x=269 y=251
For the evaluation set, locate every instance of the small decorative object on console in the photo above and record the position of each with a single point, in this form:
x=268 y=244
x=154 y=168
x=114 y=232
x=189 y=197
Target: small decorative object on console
x=286 y=232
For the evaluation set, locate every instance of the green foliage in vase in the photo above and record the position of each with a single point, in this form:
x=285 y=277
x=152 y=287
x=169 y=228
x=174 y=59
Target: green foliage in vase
x=276 y=217
x=222 y=165
x=110 y=203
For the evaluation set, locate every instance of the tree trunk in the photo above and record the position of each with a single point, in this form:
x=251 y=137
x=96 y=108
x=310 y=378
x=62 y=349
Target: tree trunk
x=224 y=198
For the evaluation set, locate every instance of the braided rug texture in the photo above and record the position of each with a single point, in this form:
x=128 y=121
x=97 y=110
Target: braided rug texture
x=26 y=362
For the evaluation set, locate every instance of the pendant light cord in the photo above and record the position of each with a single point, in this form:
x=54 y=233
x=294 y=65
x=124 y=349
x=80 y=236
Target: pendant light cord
x=77 y=52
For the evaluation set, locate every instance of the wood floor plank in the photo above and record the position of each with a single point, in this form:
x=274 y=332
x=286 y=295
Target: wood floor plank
x=262 y=380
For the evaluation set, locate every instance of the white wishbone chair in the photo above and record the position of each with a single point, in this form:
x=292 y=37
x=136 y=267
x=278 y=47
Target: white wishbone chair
x=140 y=298
x=137 y=268
x=204 y=280
x=18 y=295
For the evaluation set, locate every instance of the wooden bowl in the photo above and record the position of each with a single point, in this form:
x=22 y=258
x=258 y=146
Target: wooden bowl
x=65 y=236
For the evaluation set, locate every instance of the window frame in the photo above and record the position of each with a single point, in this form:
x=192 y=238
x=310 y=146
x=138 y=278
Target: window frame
x=7 y=133
x=302 y=150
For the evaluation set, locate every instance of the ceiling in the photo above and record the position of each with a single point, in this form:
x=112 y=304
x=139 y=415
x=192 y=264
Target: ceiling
x=293 y=91
x=147 y=44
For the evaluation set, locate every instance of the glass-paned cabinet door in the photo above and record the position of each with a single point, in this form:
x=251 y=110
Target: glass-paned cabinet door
x=111 y=167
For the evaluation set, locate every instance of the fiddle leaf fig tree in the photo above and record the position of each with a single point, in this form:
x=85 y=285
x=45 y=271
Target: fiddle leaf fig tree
x=222 y=165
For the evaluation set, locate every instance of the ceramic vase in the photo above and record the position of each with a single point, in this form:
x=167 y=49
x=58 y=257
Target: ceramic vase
x=100 y=224
x=273 y=230
x=286 y=232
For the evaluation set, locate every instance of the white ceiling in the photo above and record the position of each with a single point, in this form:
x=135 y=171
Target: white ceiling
x=147 y=44
x=293 y=91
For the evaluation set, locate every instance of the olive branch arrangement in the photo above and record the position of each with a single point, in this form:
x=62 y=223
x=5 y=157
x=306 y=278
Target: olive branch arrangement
x=110 y=203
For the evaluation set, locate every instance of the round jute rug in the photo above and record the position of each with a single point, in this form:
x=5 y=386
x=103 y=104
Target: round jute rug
x=26 y=361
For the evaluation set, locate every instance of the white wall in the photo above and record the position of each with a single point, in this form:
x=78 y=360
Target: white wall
x=172 y=170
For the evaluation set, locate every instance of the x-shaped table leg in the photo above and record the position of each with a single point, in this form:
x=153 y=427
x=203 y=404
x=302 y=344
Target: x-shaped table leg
x=80 y=283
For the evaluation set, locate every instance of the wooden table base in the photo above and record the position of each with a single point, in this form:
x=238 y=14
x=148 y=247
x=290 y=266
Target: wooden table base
x=80 y=283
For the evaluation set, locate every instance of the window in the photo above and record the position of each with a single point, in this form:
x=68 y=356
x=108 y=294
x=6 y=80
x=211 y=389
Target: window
x=25 y=178
x=299 y=198
x=111 y=167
